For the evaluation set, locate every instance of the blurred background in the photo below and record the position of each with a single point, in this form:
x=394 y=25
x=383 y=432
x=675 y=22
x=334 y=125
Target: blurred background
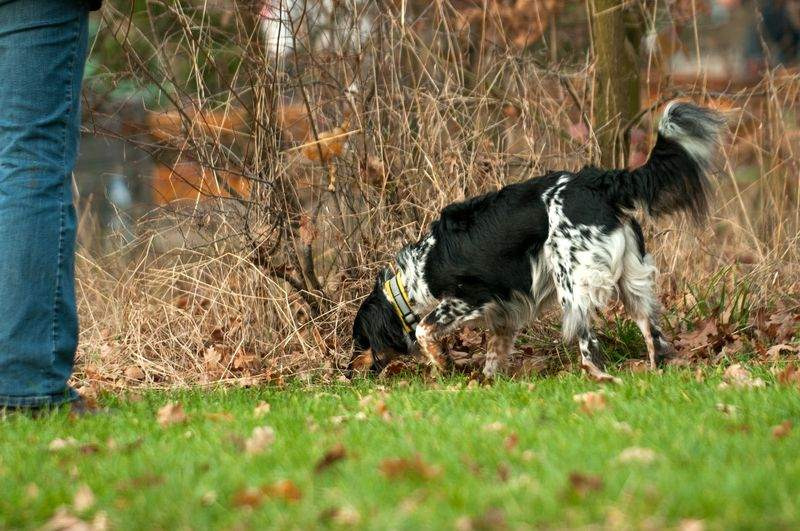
x=123 y=173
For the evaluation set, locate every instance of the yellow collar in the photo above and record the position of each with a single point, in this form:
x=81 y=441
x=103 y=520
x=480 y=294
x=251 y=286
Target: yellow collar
x=395 y=292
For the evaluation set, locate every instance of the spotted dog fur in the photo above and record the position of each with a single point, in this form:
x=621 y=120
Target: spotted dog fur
x=497 y=260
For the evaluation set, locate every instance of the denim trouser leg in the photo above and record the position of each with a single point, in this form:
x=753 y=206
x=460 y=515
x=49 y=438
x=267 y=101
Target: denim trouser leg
x=42 y=54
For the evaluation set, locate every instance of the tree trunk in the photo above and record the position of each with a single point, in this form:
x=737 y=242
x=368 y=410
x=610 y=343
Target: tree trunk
x=616 y=88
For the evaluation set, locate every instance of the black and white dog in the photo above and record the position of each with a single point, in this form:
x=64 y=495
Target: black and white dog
x=498 y=259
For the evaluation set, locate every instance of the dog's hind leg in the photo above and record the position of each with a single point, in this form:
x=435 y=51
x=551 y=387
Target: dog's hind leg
x=579 y=324
x=585 y=270
x=501 y=343
x=637 y=290
x=448 y=315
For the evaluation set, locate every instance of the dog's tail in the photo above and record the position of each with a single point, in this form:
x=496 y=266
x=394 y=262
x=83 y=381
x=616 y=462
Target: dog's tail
x=675 y=177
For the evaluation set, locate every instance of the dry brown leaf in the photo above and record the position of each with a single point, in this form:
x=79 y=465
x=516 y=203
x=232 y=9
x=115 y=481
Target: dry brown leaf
x=335 y=454
x=782 y=430
x=785 y=325
x=402 y=466
x=63 y=520
x=740 y=378
x=635 y=454
x=706 y=334
x=171 y=413
x=61 y=444
x=494 y=518
x=134 y=373
x=790 y=375
x=582 y=484
x=261 y=409
x=374 y=171
x=591 y=401
x=727 y=409
x=511 y=441
x=343 y=516
x=307 y=230
x=503 y=472
x=248 y=497
x=470 y=338
x=83 y=499
x=774 y=352
x=382 y=410
x=211 y=357
x=691 y=524
x=220 y=416
x=261 y=438
x=284 y=489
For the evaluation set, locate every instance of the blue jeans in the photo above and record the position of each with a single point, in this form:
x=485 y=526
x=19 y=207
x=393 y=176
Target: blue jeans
x=42 y=53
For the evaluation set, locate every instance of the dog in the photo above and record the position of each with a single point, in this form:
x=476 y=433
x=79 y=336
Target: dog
x=498 y=259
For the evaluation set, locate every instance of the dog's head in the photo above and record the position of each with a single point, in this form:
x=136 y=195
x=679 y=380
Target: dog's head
x=378 y=334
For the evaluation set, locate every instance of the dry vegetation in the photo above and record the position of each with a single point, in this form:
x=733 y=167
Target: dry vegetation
x=320 y=164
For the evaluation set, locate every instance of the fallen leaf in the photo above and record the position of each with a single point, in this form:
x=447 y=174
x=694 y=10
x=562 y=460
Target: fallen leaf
x=785 y=325
x=789 y=376
x=261 y=438
x=344 y=516
x=511 y=441
x=394 y=468
x=307 y=230
x=494 y=426
x=774 y=352
x=134 y=373
x=706 y=334
x=493 y=518
x=382 y=410
x=738 y=377
x=212 y=358
x=208 y=498
x=691 y=524
x=60 y=444
x=83 y=499
x=374 y=170
x=635 y=454
x=248 y=497
x=470 y=338
x=782 y=430
x=285 y=490
x=220 y=416
x=727 y=409
x=503 y=472
x=584 y=483
x=63 y=520
x=591 y=401
x=335 y=454
x=261 y=409
x=140 y=482
x=171 y=413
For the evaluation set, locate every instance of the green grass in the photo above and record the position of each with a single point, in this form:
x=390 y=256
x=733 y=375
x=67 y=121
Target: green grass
x=726 y=469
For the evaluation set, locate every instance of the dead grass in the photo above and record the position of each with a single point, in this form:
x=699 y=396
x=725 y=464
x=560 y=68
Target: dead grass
x=262 y=282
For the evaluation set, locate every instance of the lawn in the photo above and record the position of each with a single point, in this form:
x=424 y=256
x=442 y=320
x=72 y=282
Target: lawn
x=659 y=450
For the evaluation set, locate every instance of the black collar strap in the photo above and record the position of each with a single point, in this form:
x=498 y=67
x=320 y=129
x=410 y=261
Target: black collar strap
x=396 y=294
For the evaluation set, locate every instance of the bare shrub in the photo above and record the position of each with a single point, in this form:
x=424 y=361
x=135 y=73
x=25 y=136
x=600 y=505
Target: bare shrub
x=307 y=161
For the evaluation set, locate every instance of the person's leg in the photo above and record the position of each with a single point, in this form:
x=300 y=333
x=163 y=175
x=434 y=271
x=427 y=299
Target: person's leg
x=42 y=52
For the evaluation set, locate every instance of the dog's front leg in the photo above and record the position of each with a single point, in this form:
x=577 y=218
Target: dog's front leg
x=501 y=343
x=448 y=315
